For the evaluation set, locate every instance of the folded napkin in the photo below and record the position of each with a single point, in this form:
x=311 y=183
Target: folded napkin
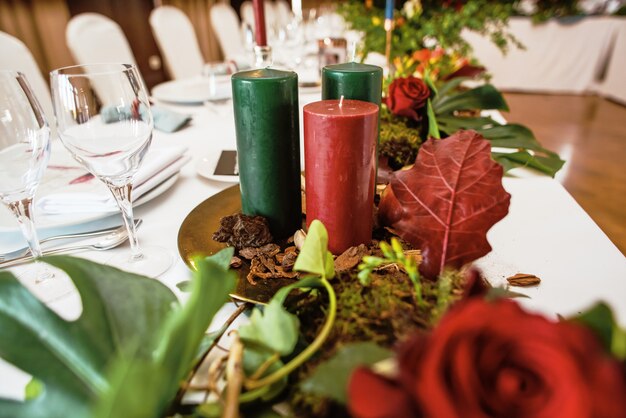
x=159 y=164
x=164 y=119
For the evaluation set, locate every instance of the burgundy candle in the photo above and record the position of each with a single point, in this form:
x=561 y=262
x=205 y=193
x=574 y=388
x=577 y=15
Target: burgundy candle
x=340 y=165
x=259 y=22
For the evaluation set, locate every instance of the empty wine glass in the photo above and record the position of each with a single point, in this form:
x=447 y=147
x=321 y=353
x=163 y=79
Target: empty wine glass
x=24 y=153
x=104 y=120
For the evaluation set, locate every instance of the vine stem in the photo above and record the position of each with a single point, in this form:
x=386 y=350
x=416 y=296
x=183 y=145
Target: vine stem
x=307 y=352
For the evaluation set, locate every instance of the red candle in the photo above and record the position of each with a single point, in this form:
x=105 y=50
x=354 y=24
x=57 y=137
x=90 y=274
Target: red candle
x=340 y=164
x=259 y=22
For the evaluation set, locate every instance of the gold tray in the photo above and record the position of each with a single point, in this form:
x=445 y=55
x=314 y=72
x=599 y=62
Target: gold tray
x=195 y=239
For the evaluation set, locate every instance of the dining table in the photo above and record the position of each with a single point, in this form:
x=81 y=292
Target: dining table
x=546 y=234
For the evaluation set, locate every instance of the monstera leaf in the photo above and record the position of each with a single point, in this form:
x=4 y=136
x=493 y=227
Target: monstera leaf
x=126 y=319
x=447 y=202
x=450 y=108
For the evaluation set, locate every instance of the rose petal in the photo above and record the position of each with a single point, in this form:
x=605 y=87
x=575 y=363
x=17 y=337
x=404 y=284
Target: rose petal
x=373 y=396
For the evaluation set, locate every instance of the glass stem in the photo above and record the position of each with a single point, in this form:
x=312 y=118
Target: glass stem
x=122 y=197
x=23 y=209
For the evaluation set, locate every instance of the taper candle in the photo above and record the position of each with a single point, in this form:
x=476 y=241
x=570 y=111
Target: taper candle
x=266 y=108
x=259 y=22
x=340 y=164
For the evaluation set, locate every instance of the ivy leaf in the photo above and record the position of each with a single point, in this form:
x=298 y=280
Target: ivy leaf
x=71 y=359
x=314 y=256
x=274 y=328
x=330 y=379
x=447 y=202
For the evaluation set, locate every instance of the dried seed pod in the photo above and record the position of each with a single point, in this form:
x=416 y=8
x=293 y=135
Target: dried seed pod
x=298 y=239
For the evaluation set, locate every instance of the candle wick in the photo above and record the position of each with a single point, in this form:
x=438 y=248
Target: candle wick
x=341 y=101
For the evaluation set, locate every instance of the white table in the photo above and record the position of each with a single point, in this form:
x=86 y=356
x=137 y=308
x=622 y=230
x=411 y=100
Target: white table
x=562 y=55
x=546 y=233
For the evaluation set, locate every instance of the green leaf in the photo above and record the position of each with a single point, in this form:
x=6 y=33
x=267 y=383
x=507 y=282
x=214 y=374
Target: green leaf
x=33 y=389
x=274 y=328
x=601 y=320
x=448 y=87
x=549 y=165
x=330 y=379
x=314 y=256
x=433 y=128
x=71 y=358
x=145 y=387
x=451 y=124
x=221 y=258
x=485 y=97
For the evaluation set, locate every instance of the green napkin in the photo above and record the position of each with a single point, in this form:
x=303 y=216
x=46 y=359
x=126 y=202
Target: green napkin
x=165 y=120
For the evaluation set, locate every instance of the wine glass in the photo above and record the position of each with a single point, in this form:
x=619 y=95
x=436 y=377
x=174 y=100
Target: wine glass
x=84 y=97
x=24 y=153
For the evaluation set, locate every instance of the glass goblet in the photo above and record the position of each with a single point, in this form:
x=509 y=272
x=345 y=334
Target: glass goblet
x=24 y=153
x=111 y=148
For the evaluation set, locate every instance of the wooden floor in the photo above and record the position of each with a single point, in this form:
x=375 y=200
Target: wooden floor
x=590 y=133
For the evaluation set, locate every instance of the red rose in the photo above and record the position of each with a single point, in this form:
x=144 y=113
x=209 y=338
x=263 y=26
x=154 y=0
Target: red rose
x=491 y=360
x=407 y=96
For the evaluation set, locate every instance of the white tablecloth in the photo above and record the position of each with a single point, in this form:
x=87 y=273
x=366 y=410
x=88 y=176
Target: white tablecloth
x=561 y=55
x=613 y=85
x=546 y=233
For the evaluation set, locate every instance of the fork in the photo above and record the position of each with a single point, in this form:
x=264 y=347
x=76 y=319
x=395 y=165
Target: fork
x=22 y=252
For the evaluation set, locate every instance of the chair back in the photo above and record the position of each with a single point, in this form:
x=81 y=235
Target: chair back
x=226 y=27
x=94 y=38
x=283 y=13
x=15 y=55
x=176 y=38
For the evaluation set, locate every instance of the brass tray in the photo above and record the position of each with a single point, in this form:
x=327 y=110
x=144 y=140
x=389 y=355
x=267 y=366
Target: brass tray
x=195 y=239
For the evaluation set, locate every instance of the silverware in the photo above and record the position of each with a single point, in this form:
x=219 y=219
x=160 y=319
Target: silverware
x=21 y=252
x=111 y=240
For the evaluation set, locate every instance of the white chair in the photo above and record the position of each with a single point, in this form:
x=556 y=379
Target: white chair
x=283 y=13
x=177 y=41
x=246 y=11
x=226 y=27
x=93 y=38
x=14 y=55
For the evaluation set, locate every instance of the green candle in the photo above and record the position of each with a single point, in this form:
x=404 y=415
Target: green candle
x=352 y=81
x=268 y=147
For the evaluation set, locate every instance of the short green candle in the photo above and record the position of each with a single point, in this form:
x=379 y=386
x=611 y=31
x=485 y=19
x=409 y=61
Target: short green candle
x=352 y=81
x=268 y=147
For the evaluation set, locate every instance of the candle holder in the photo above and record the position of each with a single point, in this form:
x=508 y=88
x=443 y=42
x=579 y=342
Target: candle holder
x=263 y=57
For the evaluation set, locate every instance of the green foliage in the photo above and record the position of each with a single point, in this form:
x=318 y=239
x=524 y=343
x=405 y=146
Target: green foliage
x=434 y=20
x=449 y=107
x=601 y=320
x=314 y=256
x=330 y=379
x=125 y=354
x=393 y=254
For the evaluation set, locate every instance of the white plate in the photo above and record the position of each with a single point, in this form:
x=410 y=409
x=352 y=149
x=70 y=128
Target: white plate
x=43 y=221
x=205 y=167
x=192 y=90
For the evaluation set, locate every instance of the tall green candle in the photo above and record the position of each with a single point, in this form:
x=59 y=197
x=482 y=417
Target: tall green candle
x=352 y=81
x=268 y=146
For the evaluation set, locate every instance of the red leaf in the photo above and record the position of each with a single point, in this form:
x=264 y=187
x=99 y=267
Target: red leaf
x=447 y=202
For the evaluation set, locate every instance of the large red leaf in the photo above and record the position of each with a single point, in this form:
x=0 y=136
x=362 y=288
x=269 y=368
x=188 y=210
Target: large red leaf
x=447 y=202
